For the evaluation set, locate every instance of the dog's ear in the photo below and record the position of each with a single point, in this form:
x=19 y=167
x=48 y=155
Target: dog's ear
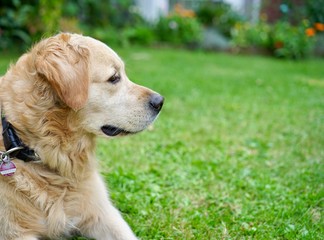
x=65 y=65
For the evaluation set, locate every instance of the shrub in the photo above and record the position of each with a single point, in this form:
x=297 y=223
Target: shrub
x=22 y=22
x=219 y=15
x=50 y=13
x=13 y=25
x=178 y=30
x=315 y=11
x=282 y=39
x=294 y=42
x=246 y=35
x=140 y=34
x=109 y=35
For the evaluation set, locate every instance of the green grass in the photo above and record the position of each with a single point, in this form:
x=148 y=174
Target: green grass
x=237 y=152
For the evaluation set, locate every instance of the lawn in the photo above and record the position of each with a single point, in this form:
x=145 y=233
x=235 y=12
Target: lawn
x=237 y=152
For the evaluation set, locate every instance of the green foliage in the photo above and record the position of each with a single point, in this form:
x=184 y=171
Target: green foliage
x=119 y=23
x=282 y=39
x=219 y=15
x=116 y=22
x=109 y=13
x=315 y=11
x=124 y=14
x=178 y=30
x=139 y=34
x=110 y=36
x=290 y=41
x=245 y=34
x=50 y=14
x=13 y=24
x=23 y=21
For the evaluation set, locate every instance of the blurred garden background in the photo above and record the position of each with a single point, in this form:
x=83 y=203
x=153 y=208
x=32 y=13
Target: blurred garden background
x=282 y=28
x=237 y=151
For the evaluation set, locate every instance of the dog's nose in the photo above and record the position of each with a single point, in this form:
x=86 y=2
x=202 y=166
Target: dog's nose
x=156 y=102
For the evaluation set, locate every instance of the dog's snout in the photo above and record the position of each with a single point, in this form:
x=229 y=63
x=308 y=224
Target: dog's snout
x=156 y=102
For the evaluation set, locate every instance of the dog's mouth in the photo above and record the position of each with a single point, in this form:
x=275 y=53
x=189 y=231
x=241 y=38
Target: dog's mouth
x=112 y=131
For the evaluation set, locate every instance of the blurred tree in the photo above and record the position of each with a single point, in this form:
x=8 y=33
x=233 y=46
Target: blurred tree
x=315 y=10
x=50 y=13
x=14 y=18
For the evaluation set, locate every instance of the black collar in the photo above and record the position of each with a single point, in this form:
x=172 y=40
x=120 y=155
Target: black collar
x=11 y=140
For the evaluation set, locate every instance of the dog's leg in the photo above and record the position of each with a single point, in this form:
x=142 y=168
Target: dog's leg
x=111 y=226
x=103 y=221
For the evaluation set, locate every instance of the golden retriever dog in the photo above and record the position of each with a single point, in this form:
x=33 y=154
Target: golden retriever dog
x=57 y=98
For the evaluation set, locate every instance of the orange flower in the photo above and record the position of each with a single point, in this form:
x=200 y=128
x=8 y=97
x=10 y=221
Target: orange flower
x=183 y=12
x=319 y=26
x=310 y=32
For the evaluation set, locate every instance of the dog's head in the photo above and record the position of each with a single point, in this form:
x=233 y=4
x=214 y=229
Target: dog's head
x=90 y=79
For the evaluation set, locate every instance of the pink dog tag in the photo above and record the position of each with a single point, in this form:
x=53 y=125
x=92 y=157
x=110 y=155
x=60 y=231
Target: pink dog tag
x=7 y=168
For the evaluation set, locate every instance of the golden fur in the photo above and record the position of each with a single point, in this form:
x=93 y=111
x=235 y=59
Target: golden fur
x=58 y=96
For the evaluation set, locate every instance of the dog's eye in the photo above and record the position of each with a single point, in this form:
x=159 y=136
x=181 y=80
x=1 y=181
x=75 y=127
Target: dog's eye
x=114 y=79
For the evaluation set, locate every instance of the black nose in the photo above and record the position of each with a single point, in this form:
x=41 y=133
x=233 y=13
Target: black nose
x=156 y=102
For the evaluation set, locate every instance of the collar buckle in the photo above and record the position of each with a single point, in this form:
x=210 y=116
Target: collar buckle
x=14 y=146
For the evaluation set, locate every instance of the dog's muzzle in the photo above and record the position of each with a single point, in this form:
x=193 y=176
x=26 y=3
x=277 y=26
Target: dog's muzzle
x=155 y=105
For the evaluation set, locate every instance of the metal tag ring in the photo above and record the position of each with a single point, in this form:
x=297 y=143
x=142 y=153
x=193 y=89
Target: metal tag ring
x=7 y=153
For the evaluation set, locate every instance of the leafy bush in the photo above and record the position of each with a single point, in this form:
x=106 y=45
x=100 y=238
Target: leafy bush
x=141 y=34
x=282 y=39
x=109 y=35
x=22 y=22
x=50 y=13
x=245 y=34
x=13 y=25
x=103 y=13
x=292 y=42
x=315 y=11
x=120 y=22
x=178 y=30
x=219 y=15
